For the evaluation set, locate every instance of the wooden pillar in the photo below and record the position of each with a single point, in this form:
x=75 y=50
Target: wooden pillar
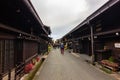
x=92 y=42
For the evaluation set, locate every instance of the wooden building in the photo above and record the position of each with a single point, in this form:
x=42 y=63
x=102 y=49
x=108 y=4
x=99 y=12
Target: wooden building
x=21 y=39
x=99 y=34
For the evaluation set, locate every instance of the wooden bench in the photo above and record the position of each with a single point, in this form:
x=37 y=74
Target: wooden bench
x=111 y=65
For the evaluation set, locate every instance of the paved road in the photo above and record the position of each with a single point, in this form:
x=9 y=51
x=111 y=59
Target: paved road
x=69 y=67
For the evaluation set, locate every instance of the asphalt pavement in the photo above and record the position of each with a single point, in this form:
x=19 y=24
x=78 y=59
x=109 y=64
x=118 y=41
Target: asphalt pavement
x=69 y=67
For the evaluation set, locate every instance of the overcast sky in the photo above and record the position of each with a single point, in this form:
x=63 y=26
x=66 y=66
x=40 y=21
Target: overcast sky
x=63 y=15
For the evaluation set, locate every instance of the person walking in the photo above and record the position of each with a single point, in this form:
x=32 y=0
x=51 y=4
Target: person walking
x=62 y=48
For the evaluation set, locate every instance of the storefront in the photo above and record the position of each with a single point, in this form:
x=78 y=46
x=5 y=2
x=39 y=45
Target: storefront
x=20 y=30
x=99 y=33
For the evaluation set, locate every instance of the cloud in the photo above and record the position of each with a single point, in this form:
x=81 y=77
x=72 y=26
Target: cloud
x=64 y=15
x=59 y=12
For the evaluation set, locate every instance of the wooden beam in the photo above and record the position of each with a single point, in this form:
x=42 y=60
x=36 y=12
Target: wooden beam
x=107 y=32
x=30 y=58
x=103 y=9
x=15 y=30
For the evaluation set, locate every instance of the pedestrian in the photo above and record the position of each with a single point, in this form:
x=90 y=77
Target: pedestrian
x=62 y=48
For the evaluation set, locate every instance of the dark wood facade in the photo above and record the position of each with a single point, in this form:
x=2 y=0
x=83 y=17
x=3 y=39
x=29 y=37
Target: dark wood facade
x=98 y=34
x=20 y=36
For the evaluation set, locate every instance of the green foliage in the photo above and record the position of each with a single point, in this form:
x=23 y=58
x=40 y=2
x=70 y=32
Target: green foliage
x=46 y=53
x=106 y=70
x=111 y=59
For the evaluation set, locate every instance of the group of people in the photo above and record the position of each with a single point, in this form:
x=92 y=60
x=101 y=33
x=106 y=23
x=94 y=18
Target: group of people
x=63 y=47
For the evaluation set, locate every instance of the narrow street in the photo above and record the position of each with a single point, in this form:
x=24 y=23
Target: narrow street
x=69 y=67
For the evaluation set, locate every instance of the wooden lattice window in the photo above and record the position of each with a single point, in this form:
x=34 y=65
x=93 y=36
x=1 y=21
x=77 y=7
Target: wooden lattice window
x=6 y=55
